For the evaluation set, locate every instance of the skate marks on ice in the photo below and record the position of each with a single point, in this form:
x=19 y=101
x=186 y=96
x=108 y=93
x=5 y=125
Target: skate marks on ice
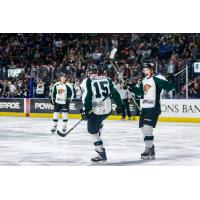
x=28 y=141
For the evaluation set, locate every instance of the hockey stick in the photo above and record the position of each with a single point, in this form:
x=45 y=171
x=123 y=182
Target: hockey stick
x=73 y=127
x=116 y=67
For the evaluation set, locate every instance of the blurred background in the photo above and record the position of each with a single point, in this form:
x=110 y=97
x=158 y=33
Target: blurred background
x=31 y=63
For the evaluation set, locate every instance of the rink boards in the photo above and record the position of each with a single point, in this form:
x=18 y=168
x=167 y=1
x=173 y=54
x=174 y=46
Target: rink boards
x=173 y=110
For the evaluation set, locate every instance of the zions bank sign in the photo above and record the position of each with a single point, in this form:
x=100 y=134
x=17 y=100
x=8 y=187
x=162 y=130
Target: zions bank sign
x=180 y=108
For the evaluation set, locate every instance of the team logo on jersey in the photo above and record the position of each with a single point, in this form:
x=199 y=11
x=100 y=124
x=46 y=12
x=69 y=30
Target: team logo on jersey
x=60 y=91
x=40 y=86
x=146 y=88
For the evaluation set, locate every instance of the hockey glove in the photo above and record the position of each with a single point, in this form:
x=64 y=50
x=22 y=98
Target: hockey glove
x=171 y=78
x=119 y=109
x=130 y=87
x=84 y=114
x=52 y=101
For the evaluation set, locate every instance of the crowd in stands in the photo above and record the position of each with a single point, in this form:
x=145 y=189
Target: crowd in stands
x=43 y=57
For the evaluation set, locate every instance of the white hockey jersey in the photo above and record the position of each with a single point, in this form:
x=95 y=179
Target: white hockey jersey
x=149 y=93
x=123 y=92
x=61 y=92
x=96 y=89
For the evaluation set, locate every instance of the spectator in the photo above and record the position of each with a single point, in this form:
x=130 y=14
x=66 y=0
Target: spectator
x=45 y=56
x=195 y=89
x=40 y=89
x=12 y=89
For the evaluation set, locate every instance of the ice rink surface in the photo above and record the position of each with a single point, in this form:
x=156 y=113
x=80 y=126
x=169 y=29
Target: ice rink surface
x=29 y=142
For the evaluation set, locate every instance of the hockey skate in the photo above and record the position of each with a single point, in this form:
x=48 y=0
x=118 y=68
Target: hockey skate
x=53 y=130
x=149 y=154
x=101 y=158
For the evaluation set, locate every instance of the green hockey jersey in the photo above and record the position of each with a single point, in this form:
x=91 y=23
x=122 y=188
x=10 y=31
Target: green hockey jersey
x=94 y=90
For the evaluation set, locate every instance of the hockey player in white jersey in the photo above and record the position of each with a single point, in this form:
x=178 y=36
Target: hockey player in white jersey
x=125 y=96
x=151 y=88
x=60 y=97
x=95 y=90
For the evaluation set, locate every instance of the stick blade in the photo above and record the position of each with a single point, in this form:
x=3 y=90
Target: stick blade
x=61 y=134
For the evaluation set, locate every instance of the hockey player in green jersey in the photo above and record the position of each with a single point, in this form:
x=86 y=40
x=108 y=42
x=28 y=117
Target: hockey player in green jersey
x=150 y=88
x=60 y=97
x=96 y=97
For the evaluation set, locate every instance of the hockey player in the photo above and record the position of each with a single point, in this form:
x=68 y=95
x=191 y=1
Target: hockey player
x=95 y=89
x=60 y=98
x=150 y=88
x=123 y=91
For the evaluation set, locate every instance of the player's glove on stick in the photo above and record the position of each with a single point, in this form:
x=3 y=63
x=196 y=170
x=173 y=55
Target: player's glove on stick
x=84 y=114
x=119 y=109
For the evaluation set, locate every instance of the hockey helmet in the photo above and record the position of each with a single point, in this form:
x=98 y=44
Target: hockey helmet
x=92 y=69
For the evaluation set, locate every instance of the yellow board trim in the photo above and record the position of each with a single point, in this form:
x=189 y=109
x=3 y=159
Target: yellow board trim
x=72 y=116
x=14 y=114
x=114 y=117
x=50 y=115
x=176 y=119
x=111 y=117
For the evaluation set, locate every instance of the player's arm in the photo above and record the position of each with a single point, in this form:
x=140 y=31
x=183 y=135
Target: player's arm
x=164 y=84
x=74 y=93
x=69 y=96
x=138 y=90
x=115 y=94
x=69 y=92
x=53 y=94
x=86 y=91
x=87 y=101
